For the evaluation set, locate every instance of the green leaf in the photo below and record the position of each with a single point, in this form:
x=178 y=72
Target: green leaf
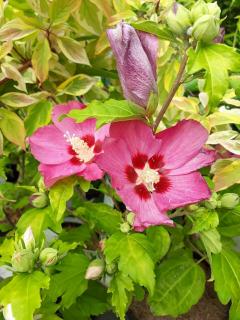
x=154 y=28
x=108 y=111
x=79 y=235
x=73 y=50
x=234 y=313
x=160 y=239
x=211 y=240
x=229 y=225
x=180 y=284
x=15 y=29
x=38 y=219
x=226 y=271
x=134 y=255
x=7 y=248
x=17 y=99
x=120 y=288
x=60 y=11
x=227 y=175
x=100 y=216
x=203 y=220
x=5 y=48
x=59 y=194
x=89 y=17
x=217 y=60
x=38 y=116
x=11 y=72
x=12 y=127
x=70 y=282
x=93 y=302
x=40 y=59
x=77 y=85
x=23 y=293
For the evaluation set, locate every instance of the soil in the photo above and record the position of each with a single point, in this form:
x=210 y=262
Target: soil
x=208 y=308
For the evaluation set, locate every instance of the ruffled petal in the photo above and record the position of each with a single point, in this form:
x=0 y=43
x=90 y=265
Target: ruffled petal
x=181 y=143
x=49 y=146
x=182 y=190
x=92 y=172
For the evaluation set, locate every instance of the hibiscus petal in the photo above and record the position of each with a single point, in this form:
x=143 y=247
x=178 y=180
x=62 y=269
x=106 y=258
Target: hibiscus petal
x=70 y=125
x=114 y=160
x=102 y=133
x=49 y=146
x=54 y=173
x=147 y=213
x=134 y=68
x=137 y=135
x=182 y=190
x=92 y=172
x=181 y=143
x=203 y=159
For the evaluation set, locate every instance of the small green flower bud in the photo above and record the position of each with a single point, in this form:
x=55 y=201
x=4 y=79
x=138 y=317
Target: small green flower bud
x=125 y=227
x=229 y=200
x=39 y=200
x=178 y=19
x=23 y=260
x=48 y=257
x=95 y=269
x=192 y=207
x=214 y=9
x=28 y=239
x=130 y=218
x=199 y=9
x=212 y=203
x=206 y=28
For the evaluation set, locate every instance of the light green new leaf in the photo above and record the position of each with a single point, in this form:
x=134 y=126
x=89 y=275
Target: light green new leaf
x=203 y=220
x=108 y=111
x=15 y=29
x=23 y=294
x=134 y=255
x=61 y=10
x=73 y=50
x=154 y=28
x=211 y=240
x=12 y=127
x=217 y=60
x=7 y=248
x=226 y=271
x=38 y=115
x=40 y=59
x=120 y=288
x=160 y=239
x=70 y=282
x=59 y=194
x=77 y=85
x=17 y=99
x=180 y=284
x=101 y=216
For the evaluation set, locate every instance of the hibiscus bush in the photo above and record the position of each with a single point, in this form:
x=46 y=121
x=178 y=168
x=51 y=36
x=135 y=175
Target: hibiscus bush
x=119 y=168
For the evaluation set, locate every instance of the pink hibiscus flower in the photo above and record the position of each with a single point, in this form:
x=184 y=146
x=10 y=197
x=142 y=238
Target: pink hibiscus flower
x=153 y=174
x=65 y=147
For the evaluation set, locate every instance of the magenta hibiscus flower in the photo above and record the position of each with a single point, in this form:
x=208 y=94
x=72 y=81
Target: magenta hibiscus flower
x=153 y=174
x=65 y=147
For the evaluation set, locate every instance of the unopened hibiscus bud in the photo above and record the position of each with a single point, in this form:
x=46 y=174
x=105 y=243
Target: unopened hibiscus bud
x=212 y=203
x=23 y=260
x=28 y=239
x=39 y=200
x=178 y=19
x=201 y=8
x=49 y=257
x=206 y=28
x=229 y=200
x=95 y=269
x=130 y=218
x=136 y=55
x=214 y=9
x=125 y=227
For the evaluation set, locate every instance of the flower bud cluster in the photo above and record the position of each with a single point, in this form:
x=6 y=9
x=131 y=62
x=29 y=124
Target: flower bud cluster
x=202 y=22
x=227 y=200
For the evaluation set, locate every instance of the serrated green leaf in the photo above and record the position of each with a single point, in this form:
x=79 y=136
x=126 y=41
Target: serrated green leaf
x=23 y=293
x=70 y=282
x=209 y=58
x=180 y=284
x=77 y=85
x=7 y=248
x=73 y=50
x=59 y=194
x=120 y=287
x=101 y=216
x=211 y=240
x=160 y=239
x=203 y=220
x=38 y=115
x=79 y=234
x=40 y=59
x=108 y=111
x=12 y=127
x=225 y=268
x=134 y=255
x=17 y=99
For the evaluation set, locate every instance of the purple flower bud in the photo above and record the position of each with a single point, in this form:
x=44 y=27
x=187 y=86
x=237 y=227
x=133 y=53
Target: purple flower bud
x=136 y=55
